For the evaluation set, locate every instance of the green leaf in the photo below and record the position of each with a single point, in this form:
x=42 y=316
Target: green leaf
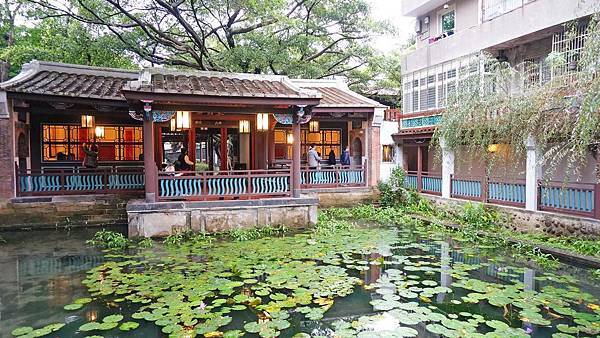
x=21 y=331
x=127 y=326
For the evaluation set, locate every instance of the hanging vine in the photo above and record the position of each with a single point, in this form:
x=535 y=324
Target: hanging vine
x=498 y=106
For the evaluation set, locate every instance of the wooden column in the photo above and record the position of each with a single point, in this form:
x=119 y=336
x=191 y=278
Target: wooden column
x=419 y=167
x=192 y=143
x=158 y=151
x=224 y=149
x=150 y=171
x=296 y=154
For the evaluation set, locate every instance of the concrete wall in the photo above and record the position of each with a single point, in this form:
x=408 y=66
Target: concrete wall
x=533 y=221
x=387 y=129
x=344 y=197
x=530 y=18
x=164 y=218
x=66 y=211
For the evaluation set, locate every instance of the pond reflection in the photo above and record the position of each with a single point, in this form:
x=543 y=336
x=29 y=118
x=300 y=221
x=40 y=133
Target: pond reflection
x=370 y=282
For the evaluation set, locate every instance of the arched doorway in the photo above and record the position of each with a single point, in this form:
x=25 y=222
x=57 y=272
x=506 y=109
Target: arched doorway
x=356 y=151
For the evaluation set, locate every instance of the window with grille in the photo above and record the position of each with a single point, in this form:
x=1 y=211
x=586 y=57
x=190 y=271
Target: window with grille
x=406 y=103
x=65 y=143
x=324 y=141
x=568 y=45
x=415 y=101
x=431 y=103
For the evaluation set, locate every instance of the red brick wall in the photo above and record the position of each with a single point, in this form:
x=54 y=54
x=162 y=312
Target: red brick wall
x=7 y=162
x=375 y=155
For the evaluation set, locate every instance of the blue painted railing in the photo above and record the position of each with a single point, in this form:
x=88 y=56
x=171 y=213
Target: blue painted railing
x=336 y=176
x=410 y=182
x=569 y=198
x=431 y=184
x=78 y=180
x=211 y=185
x=506 y=192
x=466 y=188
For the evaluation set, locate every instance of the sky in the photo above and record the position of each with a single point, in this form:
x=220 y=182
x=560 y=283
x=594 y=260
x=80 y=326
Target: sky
x=390 y=10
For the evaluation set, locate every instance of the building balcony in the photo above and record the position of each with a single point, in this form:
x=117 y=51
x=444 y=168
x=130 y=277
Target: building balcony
x=532 y=20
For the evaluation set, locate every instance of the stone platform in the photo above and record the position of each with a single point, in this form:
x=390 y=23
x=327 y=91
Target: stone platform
x=161 y=219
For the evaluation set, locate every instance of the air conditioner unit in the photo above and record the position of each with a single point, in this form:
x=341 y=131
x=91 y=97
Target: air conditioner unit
x=418 y=28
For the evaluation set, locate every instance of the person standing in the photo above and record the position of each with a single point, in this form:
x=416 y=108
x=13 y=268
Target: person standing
x=313 y=158
x=90 y=160
x=331 y=159
x=345 y=158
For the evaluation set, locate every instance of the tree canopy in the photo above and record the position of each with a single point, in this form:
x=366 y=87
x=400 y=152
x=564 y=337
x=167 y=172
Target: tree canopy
x=309 y=38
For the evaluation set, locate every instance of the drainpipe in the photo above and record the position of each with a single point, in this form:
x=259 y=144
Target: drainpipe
x=447 y=169
x=533 y=174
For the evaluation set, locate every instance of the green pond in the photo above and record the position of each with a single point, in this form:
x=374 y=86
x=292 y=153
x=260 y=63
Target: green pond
x=396 y=281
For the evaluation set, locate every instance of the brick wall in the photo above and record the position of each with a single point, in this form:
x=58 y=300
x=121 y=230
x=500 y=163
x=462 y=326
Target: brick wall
x=7 y=157
x=67 y=211
x=375 y=155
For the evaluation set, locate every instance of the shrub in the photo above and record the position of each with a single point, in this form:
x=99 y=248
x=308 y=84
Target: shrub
x=107 y=239
x=394 y=193
x=477 y=216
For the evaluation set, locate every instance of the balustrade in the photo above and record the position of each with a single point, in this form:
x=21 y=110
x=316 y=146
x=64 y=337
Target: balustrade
x=73 y=181
x=333 y=176
x=224 y=184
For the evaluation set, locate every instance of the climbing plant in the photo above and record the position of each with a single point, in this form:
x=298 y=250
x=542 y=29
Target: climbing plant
x=502 y=105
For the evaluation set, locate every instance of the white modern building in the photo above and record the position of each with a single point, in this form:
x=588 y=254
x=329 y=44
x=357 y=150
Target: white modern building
x=450 y=37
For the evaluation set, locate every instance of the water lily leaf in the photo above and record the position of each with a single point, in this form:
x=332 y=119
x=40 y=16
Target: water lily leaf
x=72 y=307
x=21 y=331
x=233 y=334
x=83 y=301
x=436 y=328
x=112 y=319
x=127 y=326
x=496 y=324
x=91 y=326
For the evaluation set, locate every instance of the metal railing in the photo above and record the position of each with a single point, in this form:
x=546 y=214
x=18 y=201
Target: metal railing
x=75 y=181
x=333 y=176
x=494 y=8
x=243 y=184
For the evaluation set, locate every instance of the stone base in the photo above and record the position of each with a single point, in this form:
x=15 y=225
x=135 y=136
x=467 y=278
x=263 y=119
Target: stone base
x=343 y=197
x=534 y=221
x=63 y=211
x=164 y=218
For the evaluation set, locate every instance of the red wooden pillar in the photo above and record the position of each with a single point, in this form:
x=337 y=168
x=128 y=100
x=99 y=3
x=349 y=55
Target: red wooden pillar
x=296 y=154
x=158 y=146
x=192 y=142
x=150 y=171
x=419 y=167
x=224 y=149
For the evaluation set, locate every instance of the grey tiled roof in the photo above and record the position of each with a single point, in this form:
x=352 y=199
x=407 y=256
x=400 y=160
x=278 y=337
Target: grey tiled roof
x=158 y=80
x=58 y=79
x=336 y=94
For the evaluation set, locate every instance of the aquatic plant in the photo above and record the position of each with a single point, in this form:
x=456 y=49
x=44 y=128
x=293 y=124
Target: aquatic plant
x=107 y=239
x=240 y=234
